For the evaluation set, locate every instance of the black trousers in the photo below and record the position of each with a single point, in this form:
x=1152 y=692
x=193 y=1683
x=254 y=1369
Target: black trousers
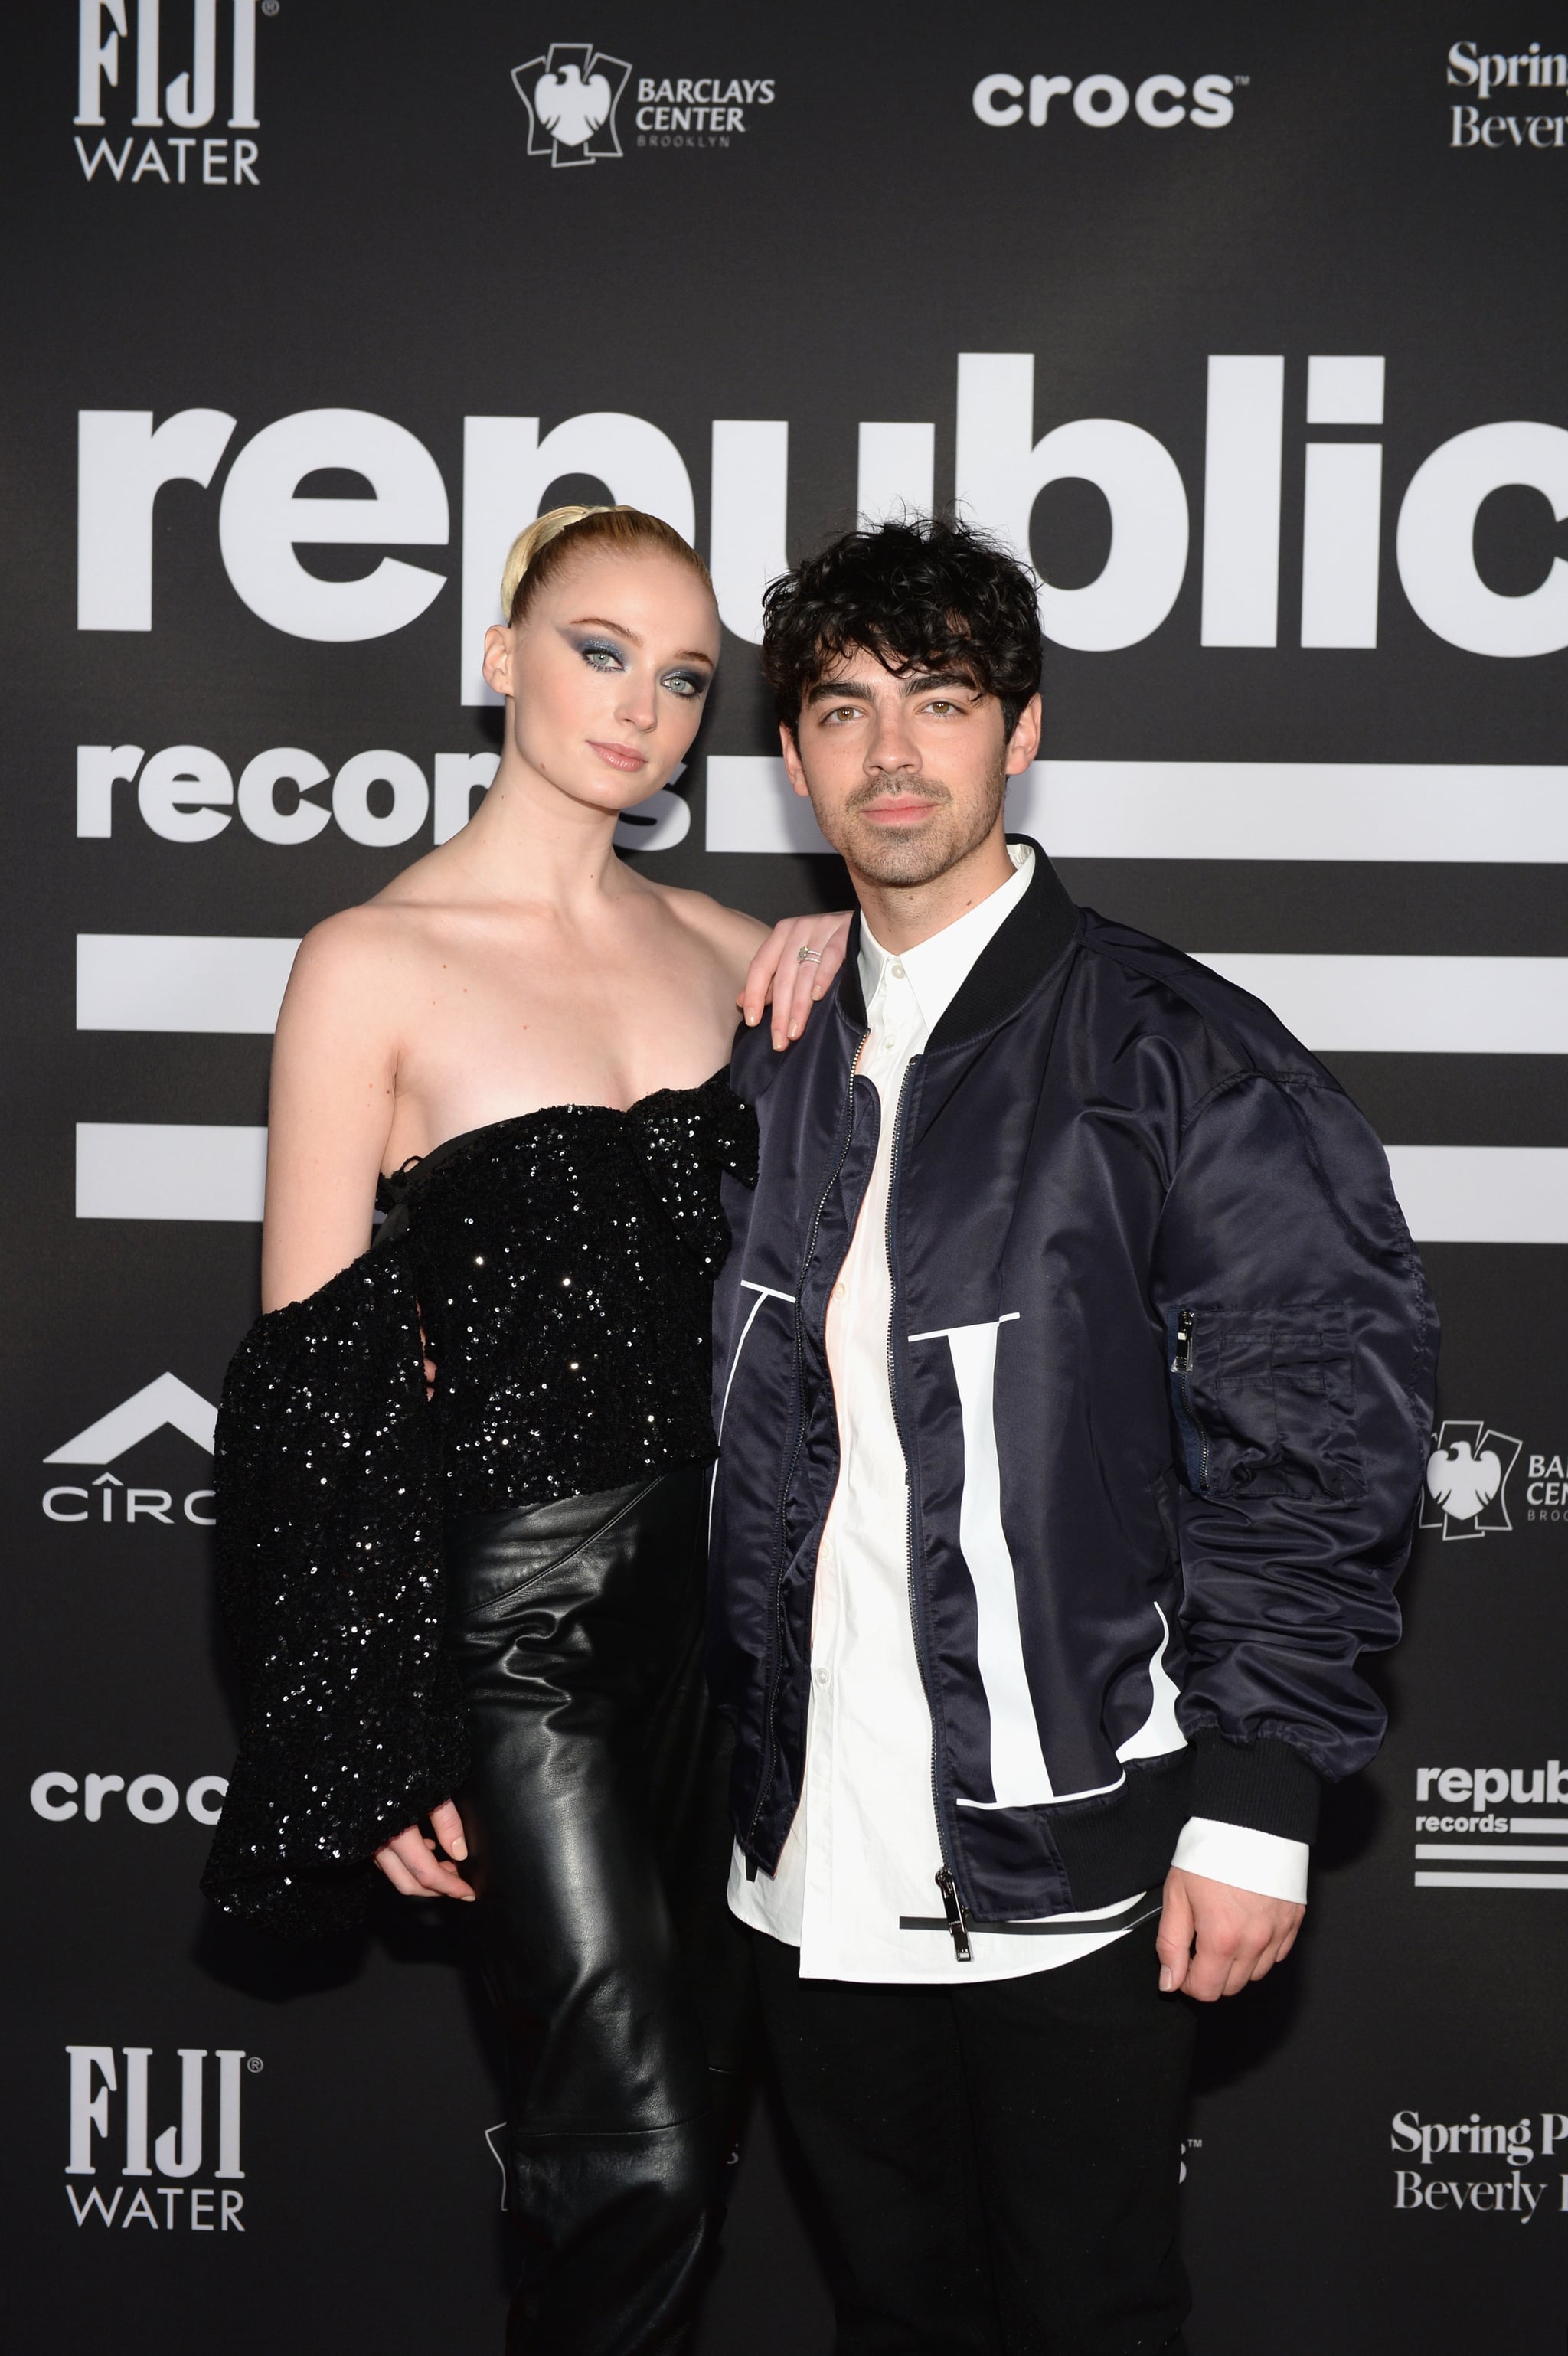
x=598 y=1842
x=997 y=2165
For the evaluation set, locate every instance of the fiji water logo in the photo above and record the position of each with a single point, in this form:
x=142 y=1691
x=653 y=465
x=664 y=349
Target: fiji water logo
x=145 y=2174
x=571 y=93
x=163 y=128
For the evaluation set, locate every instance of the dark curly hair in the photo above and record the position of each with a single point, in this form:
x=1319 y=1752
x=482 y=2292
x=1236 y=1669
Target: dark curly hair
x=923 y=594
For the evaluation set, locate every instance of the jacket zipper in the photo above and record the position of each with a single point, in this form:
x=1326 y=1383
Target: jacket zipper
x=1181 y=1366
x=799 y=1436
x=952 y=1908
x=952 y=1904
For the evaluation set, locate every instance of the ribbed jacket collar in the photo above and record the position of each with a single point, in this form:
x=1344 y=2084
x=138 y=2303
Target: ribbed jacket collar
x=1027 y=945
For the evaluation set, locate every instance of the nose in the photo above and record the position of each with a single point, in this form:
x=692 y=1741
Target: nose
x=892 y=750
x=637 y=704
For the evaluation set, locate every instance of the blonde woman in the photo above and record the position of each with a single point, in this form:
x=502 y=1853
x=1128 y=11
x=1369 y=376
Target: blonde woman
x=462 y=1476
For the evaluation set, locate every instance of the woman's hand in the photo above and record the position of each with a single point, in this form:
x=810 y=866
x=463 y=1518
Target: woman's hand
x=794 y=968
x=414 y=1866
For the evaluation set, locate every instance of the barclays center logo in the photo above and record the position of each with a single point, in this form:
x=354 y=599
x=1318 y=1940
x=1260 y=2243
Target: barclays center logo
x=571 y=94
x=1467 y=1481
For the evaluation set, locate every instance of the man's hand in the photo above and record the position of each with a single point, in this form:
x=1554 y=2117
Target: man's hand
x=1238 y=1935
x=414 y=1866
x=792 y=982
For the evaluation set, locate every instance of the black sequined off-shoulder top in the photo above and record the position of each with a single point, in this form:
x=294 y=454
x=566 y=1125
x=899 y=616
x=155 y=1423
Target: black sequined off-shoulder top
x=558 y=1269
x=563 y=1263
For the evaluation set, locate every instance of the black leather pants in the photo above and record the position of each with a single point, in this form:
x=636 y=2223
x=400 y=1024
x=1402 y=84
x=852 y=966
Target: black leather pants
x=598 y=1841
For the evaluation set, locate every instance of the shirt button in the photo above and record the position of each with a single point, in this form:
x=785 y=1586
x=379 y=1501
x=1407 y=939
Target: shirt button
x=819 y=1677
x=896 y=970
x=838 y=1293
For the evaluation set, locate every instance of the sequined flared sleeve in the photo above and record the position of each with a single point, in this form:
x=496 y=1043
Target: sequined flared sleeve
x=684 y=1137
x=330 y=1580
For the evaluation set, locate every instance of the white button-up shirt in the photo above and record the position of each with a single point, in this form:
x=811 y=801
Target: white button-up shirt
x=863 y=1850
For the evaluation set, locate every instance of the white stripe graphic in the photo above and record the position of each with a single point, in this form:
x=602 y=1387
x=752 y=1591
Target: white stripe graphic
x=763 y=1293
x=1530 y=1852
x=1483 y=1194
x=1019 y=1777
x=1411 y=1006
x=1403 y=811
x=179 y=982
x=1491 y=1881
x=1391 y=1005
x=166 y=1170
x=1160 y=1733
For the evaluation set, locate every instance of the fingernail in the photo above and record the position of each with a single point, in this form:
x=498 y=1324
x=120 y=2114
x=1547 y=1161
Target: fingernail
x=795 y=1028
x=460 y=1846
x=1167 y=1980
x=753 y=1020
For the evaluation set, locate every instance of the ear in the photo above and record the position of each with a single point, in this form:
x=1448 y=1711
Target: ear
x=498 y=662
x=1024 y=742
x=791 y=751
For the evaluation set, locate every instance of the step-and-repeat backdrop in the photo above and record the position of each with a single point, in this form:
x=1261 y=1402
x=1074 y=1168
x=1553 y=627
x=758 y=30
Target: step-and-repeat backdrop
x=1248 y=326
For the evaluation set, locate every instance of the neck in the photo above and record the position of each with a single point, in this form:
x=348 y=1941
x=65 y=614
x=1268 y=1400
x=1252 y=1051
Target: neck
x=901 y=916
x=529 y=840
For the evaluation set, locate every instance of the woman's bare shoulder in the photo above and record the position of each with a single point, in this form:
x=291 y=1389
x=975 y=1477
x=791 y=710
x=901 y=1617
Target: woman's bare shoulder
x=729 y=931
x=358 y=962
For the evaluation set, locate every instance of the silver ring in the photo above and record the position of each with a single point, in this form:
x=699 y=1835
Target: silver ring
x=808 y=957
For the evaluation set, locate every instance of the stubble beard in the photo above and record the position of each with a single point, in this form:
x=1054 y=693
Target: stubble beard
x=886 y=857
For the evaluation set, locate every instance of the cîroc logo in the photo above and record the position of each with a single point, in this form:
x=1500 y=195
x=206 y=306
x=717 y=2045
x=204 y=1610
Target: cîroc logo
x=571 y=94
x=158 y=1405
x=1467 y=1481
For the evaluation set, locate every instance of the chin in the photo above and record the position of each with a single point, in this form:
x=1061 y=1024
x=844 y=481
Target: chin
x=884 y=857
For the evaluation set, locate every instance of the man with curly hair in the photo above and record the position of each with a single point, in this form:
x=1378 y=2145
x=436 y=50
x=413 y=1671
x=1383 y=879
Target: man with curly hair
x=1074 y=1368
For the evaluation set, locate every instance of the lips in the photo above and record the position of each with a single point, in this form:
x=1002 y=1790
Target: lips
x=620 y=756
x=893 y=813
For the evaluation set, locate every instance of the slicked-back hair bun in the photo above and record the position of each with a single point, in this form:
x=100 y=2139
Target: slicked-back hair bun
x=921 y=594
x=542 y=547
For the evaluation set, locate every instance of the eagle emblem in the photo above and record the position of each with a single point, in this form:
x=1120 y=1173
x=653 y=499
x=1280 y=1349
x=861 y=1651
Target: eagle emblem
x=1467 y=1481
x=571 y=93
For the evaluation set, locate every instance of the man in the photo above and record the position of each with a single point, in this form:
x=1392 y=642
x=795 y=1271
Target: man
x=1074 y=1369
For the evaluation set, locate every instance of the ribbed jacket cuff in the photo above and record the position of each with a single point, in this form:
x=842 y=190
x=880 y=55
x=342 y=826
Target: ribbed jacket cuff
x=1264 y=1784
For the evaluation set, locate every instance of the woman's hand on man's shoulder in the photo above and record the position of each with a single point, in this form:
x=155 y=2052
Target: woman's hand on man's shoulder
x=791 y=970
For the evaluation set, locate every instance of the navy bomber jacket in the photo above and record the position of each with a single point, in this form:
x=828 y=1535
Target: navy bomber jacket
x=1161 y=1357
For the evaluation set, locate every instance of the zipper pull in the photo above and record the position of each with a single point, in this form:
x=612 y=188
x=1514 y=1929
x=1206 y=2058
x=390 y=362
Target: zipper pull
x=1182 y=1363
x=953 y=1910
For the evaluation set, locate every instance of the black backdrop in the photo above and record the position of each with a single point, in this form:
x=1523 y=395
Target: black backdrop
x=1302 y=712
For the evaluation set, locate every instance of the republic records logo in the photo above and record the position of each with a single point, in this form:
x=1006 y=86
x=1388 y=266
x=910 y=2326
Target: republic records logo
x=571 y=94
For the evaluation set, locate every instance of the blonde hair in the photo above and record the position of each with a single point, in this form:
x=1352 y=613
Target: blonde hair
x=542 y=547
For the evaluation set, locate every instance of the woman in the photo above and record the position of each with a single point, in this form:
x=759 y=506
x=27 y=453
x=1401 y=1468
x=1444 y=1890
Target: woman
x=463 y=1476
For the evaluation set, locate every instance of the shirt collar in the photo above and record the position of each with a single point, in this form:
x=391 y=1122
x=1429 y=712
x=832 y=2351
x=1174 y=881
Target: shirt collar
x=937 y=969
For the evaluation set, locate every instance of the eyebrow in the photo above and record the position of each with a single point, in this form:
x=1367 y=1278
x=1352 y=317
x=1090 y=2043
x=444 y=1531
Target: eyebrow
x=601 y=622
x=825 y=691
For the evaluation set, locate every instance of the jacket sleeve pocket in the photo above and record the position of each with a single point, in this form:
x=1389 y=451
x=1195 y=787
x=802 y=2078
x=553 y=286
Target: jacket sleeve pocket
x=1265 y=1401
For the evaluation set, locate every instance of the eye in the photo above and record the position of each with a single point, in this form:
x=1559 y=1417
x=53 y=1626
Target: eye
x=599 y=654
x=840 y=711
x=686 y=683
x=942 y=705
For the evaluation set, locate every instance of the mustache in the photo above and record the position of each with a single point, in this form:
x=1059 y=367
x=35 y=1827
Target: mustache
x=928 y=789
